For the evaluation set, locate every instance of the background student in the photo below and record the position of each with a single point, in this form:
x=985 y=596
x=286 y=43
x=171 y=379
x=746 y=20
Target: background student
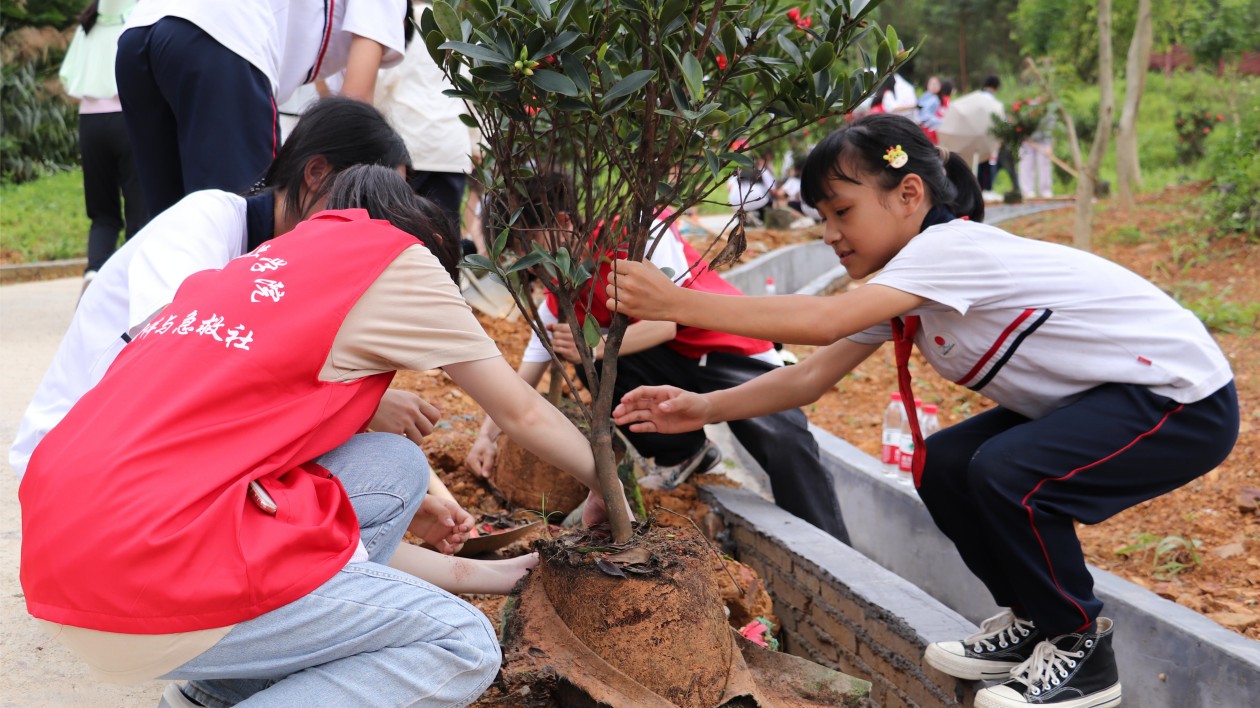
x=200 y=80
x=659 y=352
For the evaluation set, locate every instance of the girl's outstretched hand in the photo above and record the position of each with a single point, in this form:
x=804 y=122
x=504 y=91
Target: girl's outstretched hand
x=662 y=409
x=641 y=290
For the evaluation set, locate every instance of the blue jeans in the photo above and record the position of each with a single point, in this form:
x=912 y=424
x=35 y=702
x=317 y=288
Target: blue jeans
x=371 y=635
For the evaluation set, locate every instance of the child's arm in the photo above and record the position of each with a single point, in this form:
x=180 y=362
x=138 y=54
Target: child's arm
x=480 y=458
x=643 y=291
x=361 y=67
x=666 y=409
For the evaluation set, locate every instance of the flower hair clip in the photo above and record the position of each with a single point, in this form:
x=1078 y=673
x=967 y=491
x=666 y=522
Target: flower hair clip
x=896 y=157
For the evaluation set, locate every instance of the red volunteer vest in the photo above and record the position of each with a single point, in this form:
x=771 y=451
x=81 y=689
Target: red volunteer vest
x=135 y=513
x=690 y=342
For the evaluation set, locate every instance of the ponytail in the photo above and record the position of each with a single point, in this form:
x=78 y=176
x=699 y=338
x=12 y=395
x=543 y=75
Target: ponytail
x=862 y=146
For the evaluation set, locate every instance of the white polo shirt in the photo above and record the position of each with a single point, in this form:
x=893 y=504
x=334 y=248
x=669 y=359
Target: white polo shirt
x=203 y=230
x=1032 y=325
x=293 y=42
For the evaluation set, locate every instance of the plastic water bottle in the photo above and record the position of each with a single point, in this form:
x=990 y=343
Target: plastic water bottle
x=770 y=289
x=928 y=422
x=905 y=457
x=891 y=438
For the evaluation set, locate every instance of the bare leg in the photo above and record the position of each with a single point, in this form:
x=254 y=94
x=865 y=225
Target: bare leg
x=462 y=575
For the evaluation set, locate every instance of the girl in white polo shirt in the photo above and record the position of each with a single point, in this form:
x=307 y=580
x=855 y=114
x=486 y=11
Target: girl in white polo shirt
x=1109 y=393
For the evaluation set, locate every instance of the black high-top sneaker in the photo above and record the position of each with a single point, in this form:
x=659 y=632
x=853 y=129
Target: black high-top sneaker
x=1003 y=642
x=1069 y=671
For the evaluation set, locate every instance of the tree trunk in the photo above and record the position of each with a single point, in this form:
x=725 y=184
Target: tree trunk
x=1128 y=169
x=1088 y=178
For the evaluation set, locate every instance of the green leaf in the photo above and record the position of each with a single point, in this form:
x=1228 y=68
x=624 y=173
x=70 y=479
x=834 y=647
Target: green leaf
x=694 y=76
x=590 y=331
x=542 y=7
x=790 y=48
x=891 y=34
x=553 y=82
x=476 y=261
x=669 y=272
x=477 y=51
x=557 y=44
x=883 y=57
x=447 y=20
x=432 y=42
x=822 y=57
x=469 y=121
x=500 y=242
x=628 y=85
x=527 y=261
x=576 y=71
x=730 y=40
x=563 y=261
x=716 y=116
x=714 y=166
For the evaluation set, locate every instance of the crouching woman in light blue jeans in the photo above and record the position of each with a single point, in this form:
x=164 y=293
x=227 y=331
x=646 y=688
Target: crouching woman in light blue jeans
x=245 y=531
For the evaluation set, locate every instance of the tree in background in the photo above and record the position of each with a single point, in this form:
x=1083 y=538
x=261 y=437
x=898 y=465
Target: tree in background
x=1128 y=170
x=1087 y=178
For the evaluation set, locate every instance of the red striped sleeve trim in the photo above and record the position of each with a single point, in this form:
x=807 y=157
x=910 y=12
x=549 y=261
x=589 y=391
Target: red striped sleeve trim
x=323 y=47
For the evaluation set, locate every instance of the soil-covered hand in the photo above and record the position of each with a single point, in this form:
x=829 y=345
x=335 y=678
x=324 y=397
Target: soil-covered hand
x=641 y=290
x=662 y=409
x=442 y=523
x=480 y=460
x=406 y=414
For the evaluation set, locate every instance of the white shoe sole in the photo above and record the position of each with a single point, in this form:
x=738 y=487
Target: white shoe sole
x=966 y=668
x=172 y=697
x=1003 y=697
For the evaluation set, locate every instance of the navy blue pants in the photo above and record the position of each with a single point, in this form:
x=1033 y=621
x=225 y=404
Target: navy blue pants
x=111 y=188
x=781 y=442
x=199 y=116
x=1007 y=490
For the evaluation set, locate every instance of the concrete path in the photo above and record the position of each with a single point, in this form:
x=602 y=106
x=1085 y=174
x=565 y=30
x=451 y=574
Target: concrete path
x=34 y=670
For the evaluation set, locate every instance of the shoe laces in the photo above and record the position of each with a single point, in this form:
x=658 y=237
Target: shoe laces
x=1001 y=628
x=1046 y=668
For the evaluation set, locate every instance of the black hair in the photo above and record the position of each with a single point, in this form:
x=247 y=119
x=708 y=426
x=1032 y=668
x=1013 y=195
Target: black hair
x=862 y=146
x=992 y=81
x=947 y=87
x=889 y=84
x=409 y=25
x=345 y=133
x=545 y=197
x=87 y=18
x=386 y=195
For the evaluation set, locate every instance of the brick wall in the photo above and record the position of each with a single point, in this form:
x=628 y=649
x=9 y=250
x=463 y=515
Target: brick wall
x=840 y=609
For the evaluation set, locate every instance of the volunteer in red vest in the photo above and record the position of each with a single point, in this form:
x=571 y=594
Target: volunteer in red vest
x=659 y=353
x=268 y=371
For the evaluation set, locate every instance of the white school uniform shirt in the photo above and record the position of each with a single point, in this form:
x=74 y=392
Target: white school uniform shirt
x=1033 y=325
x=293 y=42
x=410 y=94
x=203 y=230
x=752 y=195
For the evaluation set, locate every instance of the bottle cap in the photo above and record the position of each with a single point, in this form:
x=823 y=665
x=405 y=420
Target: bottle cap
x=918 y=402
x=930 y=409
x=769 y=281
x=896 y=397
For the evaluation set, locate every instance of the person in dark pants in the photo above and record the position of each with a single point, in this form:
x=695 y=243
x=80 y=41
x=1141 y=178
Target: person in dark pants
x=110 y=183
x=200 y=81
x=664 y=353
x=1109 y=392
x=111 y=186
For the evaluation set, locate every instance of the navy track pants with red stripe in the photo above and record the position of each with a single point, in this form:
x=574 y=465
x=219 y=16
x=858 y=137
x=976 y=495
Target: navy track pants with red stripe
x=1007 y=490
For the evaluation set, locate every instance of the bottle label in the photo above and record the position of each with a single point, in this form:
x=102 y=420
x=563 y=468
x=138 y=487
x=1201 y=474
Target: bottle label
x=888 y=453
x=906 y=460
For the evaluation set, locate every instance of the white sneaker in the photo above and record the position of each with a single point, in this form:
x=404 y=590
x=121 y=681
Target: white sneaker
x=1003 y=642
x=668 y=477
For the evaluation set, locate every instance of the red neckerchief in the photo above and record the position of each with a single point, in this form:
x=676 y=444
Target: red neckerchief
x=904 y=329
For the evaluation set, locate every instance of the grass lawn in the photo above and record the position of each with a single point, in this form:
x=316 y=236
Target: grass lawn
x=43 y=220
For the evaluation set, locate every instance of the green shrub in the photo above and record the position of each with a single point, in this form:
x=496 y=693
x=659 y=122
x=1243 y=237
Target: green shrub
x=40 y=128
x=1233 y=206
x=1193 y=128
